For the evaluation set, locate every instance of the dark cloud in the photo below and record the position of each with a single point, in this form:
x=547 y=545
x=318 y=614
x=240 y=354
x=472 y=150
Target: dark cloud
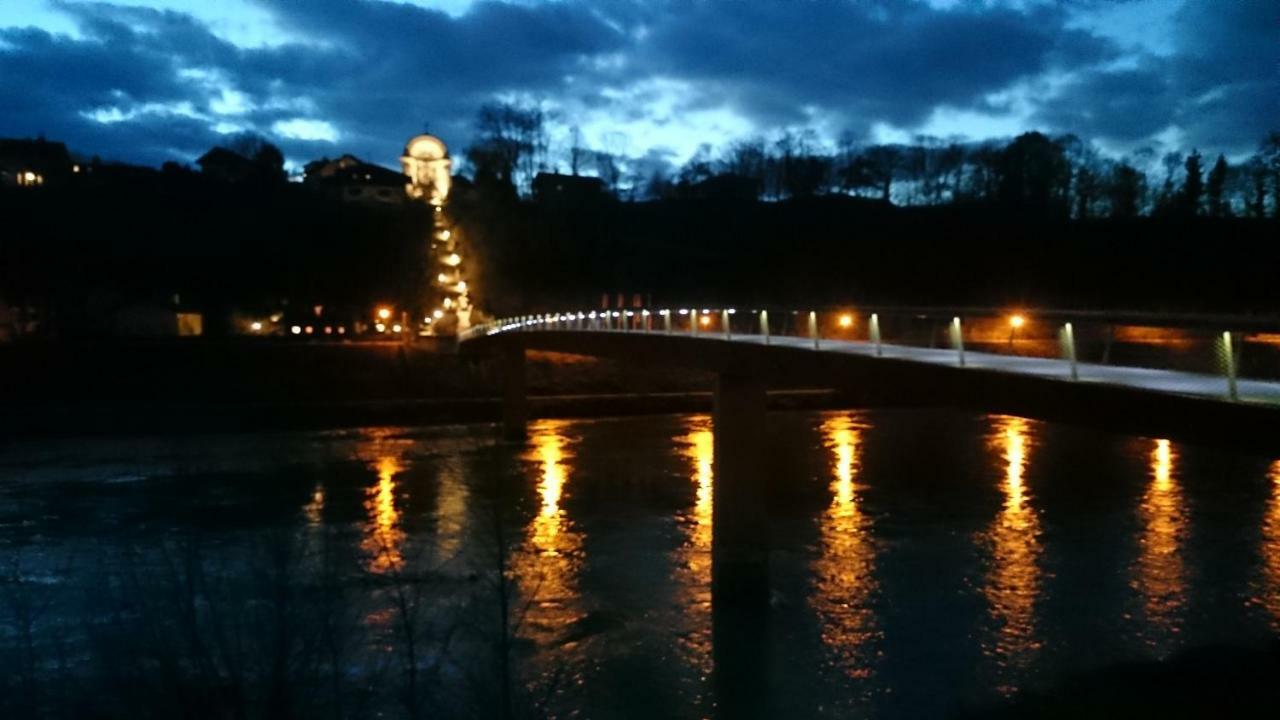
x=376 y=71
x=894 y=62
x=1220 y=86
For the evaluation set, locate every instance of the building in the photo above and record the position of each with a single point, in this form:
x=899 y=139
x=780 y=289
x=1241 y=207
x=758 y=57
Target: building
x=426 y=162
x=227 y=166
x=353 y=180
x=559 y=190
x=33 y=163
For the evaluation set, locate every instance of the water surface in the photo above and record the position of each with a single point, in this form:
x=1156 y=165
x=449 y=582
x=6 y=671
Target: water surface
x=923 y=562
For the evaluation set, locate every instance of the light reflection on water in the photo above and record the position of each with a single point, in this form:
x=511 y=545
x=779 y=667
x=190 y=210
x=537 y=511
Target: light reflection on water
x=843 y=573
x=1270 y=548
x=451 y=511
x=384 y=536
x=1013 y=581
x=1160 y=574
x=546 y=572
x=696 y=445
x=860 y=518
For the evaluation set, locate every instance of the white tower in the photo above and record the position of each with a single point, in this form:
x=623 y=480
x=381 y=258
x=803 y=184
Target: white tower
x=426 y=162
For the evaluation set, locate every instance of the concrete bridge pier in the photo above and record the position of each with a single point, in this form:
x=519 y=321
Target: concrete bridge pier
x=739 y=525
x=515 y=401
x=739 y=550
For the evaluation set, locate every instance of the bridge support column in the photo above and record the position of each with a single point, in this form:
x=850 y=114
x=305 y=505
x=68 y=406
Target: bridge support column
x=515 y=401
x=739 y=544
x=739 y=551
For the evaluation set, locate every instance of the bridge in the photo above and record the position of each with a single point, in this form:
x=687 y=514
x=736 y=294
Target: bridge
x=748 y=352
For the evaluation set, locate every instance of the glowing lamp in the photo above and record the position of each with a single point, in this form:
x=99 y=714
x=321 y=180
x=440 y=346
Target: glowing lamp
x=384 y=313
x=1017 y=321
x=846 y=321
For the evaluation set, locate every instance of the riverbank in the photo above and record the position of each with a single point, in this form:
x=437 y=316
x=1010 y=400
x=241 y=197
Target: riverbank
x=238 y=385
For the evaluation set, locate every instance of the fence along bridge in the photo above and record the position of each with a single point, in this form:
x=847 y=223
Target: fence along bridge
x=747 y=355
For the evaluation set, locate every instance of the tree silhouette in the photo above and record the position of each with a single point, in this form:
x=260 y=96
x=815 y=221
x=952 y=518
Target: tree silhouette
x=1215 y=186
x=1125 y=189
x=1034 y=175
x=1192 y=186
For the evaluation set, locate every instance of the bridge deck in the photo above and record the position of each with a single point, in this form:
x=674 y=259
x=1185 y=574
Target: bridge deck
x=1170 y=381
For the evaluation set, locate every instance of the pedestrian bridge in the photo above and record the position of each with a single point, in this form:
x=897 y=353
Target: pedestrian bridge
x=748 y=355
x=1187 y=406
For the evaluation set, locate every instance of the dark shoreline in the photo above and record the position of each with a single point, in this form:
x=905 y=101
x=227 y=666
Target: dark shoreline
x=164 y=419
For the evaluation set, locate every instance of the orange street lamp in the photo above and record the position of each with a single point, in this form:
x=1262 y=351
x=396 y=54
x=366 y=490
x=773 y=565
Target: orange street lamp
x=384 y=313
x=846 y=321
x=1015 y=321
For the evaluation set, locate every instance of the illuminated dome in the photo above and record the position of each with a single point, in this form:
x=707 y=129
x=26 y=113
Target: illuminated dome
x=426 y=147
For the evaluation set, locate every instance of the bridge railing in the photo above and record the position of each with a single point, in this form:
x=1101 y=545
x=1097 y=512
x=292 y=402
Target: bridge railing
x=1235 y=349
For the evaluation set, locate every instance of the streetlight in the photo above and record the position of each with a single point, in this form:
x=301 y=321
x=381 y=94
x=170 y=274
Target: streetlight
x=384 y=313
x=846 y=321
x=1015 y=321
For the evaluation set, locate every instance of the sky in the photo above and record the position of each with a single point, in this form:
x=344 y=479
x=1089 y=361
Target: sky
x=147 y=81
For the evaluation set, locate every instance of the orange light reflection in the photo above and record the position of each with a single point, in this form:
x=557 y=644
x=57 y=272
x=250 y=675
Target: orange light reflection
x=693 y=560
x=1012 y=585
x=384 y=537
x=547 y=571
x=843 y=573
x=1271 y=548
x=1161 y=575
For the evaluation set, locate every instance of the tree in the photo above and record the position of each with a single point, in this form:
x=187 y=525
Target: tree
x=511 y=145
x=1269 y=155
x=881 y=163
x=1192 y=186
x=1167 y=200
x=1215 y=186
x=1125 y=188
x=1035 y=175
x=266 y=157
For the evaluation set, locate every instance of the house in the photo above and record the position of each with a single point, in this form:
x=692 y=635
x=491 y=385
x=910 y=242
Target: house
x=227 y=166
x=33 y=163
x=353 y=180
x=568 y=190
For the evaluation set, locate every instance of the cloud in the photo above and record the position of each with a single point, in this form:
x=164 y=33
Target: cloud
x=362 y=75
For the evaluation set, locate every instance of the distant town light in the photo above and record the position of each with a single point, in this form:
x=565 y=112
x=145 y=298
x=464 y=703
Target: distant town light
x=704 y=320
x=380 y=327
x=396 y=328
x=328 y=330
x=296 y=330
x=309 y=329
x=444 y=234
x=255 y=326
x=437 y=313
x=846 y=321
x=462 y=286
x=342 y=330
x=384 y=313
x=442 y=278
x=453 y=260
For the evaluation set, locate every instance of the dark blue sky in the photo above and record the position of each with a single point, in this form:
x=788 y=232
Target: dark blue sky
x=150 y=80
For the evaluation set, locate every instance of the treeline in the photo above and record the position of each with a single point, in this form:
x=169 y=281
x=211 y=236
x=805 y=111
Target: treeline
x=79 y=253
x=1058 y=176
